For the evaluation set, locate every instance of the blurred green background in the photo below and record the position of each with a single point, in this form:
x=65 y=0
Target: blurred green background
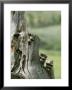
x=47 y=25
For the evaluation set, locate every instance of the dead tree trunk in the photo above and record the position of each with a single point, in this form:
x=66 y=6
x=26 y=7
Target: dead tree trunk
x=27 y=64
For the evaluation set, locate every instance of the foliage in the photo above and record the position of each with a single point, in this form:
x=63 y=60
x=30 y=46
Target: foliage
x=43 y=18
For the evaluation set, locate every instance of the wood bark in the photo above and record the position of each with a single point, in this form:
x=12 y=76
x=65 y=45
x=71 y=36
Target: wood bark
x=26 y=62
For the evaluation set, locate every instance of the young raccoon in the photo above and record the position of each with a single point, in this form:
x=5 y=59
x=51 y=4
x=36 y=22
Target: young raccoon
x=30 y=39
x=43 y=58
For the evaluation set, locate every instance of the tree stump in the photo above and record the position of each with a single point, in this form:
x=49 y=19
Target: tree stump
x=25 y=59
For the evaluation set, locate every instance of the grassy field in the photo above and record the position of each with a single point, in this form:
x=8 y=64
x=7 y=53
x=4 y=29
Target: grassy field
x=50 y=44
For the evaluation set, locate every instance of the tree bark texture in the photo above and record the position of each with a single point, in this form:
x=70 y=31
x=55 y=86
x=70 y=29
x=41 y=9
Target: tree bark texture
x=25 y=59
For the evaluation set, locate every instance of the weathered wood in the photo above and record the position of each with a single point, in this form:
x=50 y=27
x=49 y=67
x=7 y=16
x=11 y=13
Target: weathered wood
x=17 y=76
x=27 y=64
